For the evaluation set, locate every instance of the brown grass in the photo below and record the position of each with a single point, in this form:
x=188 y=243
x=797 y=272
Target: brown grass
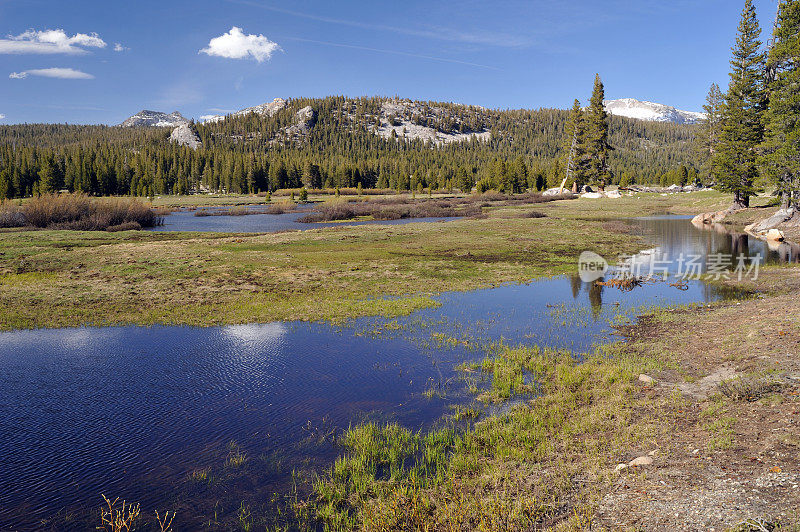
x=79 y=212
x=399 y=207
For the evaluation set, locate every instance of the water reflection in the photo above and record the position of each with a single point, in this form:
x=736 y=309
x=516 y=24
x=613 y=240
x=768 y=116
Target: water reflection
x=263 y=223
x=677 y=237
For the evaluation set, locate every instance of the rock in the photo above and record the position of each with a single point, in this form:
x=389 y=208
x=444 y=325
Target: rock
x=646 y=379
x=555 y=192
x=592 y=195
x=586 y=189
x=776 y=235
x=675 y=188
x=620 y=468
x=184 y=135
x=781 y=216
x=641 y=461
x=614 y=194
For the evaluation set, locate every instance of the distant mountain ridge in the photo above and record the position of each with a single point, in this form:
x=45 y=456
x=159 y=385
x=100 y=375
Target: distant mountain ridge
x=147 y=118
x=651 y=111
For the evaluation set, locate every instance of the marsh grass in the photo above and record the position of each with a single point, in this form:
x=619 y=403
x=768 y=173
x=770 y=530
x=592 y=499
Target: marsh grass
x=403 y=207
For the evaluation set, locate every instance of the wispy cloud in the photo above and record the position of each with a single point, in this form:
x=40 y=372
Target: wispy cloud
x=396 y=52
x=2 y=116
x=236 y=45
x=50 y=42
x=432 y=32
x=59 y=73
x=119 y=48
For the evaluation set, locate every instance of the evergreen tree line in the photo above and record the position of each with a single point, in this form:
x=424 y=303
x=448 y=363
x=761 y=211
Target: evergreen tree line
x=751 y=138
x=247 y=154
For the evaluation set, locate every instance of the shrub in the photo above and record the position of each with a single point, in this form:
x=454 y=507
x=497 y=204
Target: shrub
x=79 y=212
x=11 y=215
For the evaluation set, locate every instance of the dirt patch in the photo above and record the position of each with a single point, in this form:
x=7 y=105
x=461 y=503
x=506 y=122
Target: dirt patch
x=728 y=450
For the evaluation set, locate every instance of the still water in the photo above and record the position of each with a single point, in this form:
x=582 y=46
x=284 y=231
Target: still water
x=133 y=411
x=262 y=223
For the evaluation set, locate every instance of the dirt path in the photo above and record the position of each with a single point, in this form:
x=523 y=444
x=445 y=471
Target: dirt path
x=728 y=448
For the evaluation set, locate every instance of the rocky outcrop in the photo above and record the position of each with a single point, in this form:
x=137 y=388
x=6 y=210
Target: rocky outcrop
x=184 y=135
x=303 y=122
x=409 y=120
x=147 y=118
x=265 y=109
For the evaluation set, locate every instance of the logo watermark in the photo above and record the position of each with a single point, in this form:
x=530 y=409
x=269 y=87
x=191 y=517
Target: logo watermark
x=654 y=265
x=591 y=266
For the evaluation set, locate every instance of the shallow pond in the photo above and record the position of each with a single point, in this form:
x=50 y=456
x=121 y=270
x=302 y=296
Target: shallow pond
x=134 y=411
x=262 y=223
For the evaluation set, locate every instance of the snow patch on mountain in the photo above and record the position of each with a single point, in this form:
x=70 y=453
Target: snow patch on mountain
x=147 y=118
x=652 y=112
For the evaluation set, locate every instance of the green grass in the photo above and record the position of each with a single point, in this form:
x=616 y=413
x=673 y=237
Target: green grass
x=513 y=471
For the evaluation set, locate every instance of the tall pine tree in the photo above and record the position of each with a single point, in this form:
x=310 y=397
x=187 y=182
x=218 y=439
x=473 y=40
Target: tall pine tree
x=574 y=153
x=597 y=146
x=708 y=135
x=781 y=149
x=743 y=130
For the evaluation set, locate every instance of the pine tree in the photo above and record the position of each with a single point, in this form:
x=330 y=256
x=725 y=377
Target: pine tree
x=573 y=158
x=781 y=148
x=742 y=130
x=597 y=146
x=708 y=135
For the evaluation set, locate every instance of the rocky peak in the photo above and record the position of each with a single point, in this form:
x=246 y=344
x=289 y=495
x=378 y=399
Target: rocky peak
x=146 y=118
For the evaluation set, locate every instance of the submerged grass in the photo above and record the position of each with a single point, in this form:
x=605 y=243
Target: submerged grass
x=512 y=471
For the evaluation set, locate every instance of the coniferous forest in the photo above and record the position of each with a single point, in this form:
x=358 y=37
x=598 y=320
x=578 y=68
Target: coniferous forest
x=247 y=154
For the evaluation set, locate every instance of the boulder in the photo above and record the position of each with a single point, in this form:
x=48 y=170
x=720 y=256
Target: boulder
x=586 y=189
x=614 y=194
x=781 y=216
x=774 y=235
x=555 y=191
x=646 y=379
x=592 y=195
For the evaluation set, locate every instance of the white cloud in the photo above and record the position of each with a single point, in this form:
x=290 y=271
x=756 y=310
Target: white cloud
x=60 y=73
x=236 y=45
x=2 y=116
x=119 y=48
x=50 y=42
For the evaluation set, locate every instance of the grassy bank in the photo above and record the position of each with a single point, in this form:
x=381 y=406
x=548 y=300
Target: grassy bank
x=712 y=431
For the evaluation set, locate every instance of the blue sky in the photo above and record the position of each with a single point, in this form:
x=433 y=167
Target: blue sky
x=499 y=54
